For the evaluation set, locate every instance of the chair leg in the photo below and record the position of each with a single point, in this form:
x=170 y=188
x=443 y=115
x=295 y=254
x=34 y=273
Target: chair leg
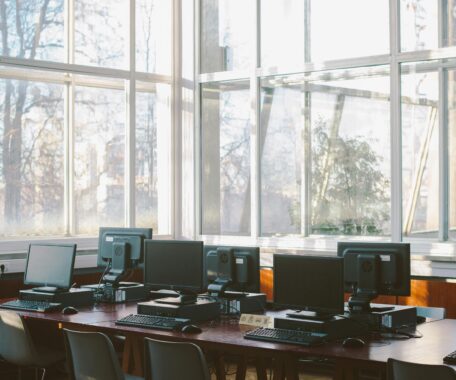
x=44 y=374
x=19 y=373
x=36 y=373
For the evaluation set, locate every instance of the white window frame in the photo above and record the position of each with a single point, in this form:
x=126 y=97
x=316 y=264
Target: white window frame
x=440 y=249
x=19 y=245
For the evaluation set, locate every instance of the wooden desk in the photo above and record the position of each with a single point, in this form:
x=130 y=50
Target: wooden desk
x=226 y=337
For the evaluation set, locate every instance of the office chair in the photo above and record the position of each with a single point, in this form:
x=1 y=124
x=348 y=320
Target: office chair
x=399 y=370
x=174 y=360
x=91 y=355
x=18 y=348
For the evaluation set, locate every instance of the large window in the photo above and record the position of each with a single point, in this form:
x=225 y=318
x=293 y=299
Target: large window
x=85 y=116
x=323 y=119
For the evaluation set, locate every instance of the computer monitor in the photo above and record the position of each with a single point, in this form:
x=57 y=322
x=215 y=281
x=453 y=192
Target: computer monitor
x=372 y=269
x=312 y=285
x=50 y=267
x=175 y=265
x=120 y=249
x=235 y=269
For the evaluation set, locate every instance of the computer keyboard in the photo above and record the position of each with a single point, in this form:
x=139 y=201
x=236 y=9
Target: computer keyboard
x=450 y=358
x=153 y=322
x=26 y=305
x=303 y=338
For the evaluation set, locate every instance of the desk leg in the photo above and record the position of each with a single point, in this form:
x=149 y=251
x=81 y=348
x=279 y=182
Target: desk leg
x=241 y=370
x=291 y=368
x=220 y=367
x=278 y=366
x=261 y=369
x=132 y=360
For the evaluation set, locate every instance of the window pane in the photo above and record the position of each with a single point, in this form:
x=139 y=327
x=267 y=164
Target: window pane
x=226 y=35
x=419 y=24
x=153 y=158
x=99 y=160
x=101 y=32
x=349 y=28
x=282 y=32
x=420 y=154
x=26 y=34
x=31 y=169
x=350 y=154
x=281 y=152
x=226 y=158
x=451 y=74
x=153 y=36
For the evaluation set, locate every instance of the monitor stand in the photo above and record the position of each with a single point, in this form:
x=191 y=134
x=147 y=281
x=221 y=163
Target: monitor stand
x=50 y=289
x=312 y=315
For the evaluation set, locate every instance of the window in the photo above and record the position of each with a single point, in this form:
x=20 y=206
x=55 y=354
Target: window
x=85 y=117
x=348 y=124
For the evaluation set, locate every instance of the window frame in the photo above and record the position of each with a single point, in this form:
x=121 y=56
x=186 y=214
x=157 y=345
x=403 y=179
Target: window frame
x=68 y=69
x=437 y=249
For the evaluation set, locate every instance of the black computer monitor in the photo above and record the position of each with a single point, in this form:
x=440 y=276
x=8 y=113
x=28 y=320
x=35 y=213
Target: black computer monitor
x=312 y=285
x=175 y=265
x=50 y=267
x=235 y=269
x=372 y=269
x=120 y=249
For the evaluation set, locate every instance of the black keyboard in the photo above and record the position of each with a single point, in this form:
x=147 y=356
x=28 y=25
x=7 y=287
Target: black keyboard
x=450 y=358
x=26 y=305
x=303 y=338
x=153 y=322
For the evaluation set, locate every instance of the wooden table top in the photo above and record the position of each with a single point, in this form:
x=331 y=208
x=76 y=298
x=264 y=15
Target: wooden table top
x=438 y=337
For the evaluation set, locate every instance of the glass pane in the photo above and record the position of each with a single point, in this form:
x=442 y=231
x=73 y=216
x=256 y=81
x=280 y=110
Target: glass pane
x=451 y=74
x=282 y=21
x=32 y=164
x=99 y=162
x=153 y=36
x=226 y=158
x=420 y=151
x=419 y=24
x=281 y=152
x=349 y=28
x=101 y=33
x=153 y=158
x=350 y=152
x=226 y=35
x=32 y=29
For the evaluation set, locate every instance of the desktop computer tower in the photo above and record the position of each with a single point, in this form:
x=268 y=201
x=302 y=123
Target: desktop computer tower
x=201 y=310
x=73 y=297
x=124 y=292
x=337 y=327
x=398 y=318
x=239 y=303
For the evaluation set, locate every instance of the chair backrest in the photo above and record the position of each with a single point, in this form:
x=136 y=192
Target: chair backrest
x=91 y=355
x=16 y=344
x=399 y=370
x=174 y=360
x=431 y=312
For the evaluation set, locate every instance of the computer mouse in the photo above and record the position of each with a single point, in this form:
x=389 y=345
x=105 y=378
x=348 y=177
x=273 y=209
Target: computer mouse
x=353 y=343
x=191 y=329
x=69 y=310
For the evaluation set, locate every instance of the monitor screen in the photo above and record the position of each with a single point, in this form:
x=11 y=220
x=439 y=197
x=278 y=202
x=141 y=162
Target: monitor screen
x=50 y=265
x=383 y=267
x=312 y=283
x=175 y=265
x=245 y=271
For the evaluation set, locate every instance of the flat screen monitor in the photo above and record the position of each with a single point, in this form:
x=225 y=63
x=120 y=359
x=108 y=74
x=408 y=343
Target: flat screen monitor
x=237 y=267
x=313 y=285
x=120 y=249
x=373 y=269
x=174 y=265
x=50 y=266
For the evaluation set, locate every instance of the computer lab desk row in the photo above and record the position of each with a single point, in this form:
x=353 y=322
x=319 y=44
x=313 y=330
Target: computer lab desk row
x=225 y=337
